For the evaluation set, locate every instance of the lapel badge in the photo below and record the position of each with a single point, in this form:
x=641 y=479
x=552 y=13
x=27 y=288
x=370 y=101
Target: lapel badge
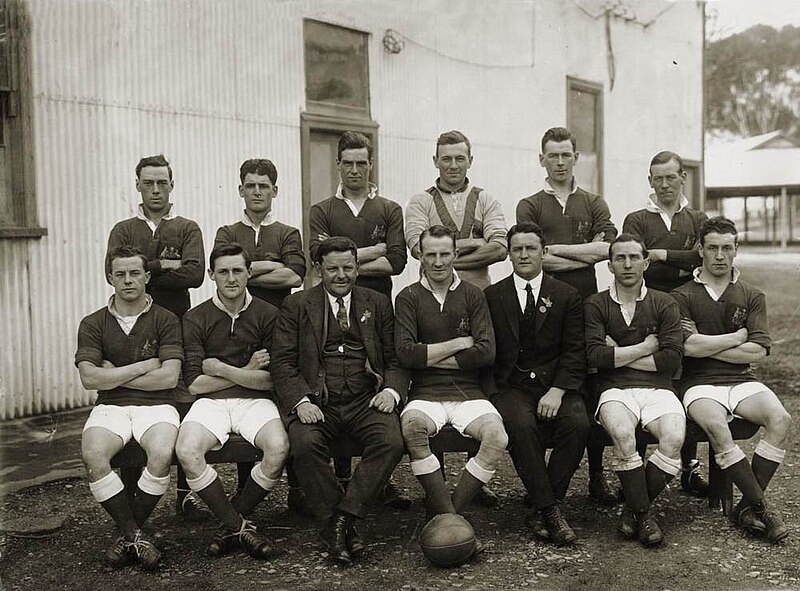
x=366 y=316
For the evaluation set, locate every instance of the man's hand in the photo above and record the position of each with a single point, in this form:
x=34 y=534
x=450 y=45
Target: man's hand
x=549 y=404
x=259 y=360
x=599 y=237
x=383 y=401
x=688 y=325
x=650 y=344
x=467 y=342
x=742 y=334
x=322 y=236
x=658 y=255
x=170 y=264
x=107 y=364
x=212 y=367
x=309 y=413
x=611 y=342
x=467 y=245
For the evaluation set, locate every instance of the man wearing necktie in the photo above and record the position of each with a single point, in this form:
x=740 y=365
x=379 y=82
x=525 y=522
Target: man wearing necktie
x=336 y=372
x=537 y=376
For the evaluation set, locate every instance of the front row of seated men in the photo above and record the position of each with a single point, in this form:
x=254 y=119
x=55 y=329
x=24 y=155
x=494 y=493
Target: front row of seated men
x=505 y=368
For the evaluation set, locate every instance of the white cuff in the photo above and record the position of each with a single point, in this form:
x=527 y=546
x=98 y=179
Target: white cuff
x=302 y=400
x=395 y=394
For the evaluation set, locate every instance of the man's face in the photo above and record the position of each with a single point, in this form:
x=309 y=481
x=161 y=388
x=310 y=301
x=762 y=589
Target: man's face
x=230 y=274
x=438 y=256
x=129 y=278
x=718 y=252
x=627 y=263
x=354 y=168
x=559 y=159
x=667 y=182
x=155 y=186
x=338 y=271
x=526 y=254
x=258 y=193
x=453 y=162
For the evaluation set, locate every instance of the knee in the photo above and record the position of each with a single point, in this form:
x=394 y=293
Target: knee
x=188 y=452
x=277 y=449
x=670 y=443
x=415 y=430
x=96 y=459
x=494 y=435
x=719 y=434
x=304 y=442
x=159 y=460
x=624 y=440
x=779 y=423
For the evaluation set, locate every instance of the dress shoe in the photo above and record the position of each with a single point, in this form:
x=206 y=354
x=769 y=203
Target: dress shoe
x=334 y=537
x=559 y=531
x=355 y=543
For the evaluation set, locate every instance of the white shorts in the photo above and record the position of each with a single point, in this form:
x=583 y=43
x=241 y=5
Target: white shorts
x=647 y=404
x=728 y=396
x=131 y=421
x=458 y=413
x=223 y=416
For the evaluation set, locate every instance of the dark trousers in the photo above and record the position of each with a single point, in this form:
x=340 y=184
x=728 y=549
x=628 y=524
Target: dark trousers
x=378 y=432
x=528 y=438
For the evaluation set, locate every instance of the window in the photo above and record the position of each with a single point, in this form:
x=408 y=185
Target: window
x=693 y=188
x=337 y=70
x=585 y=120
x=17 y=198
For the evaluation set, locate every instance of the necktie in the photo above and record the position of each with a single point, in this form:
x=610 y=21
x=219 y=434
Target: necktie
x=530 y=304
x=341 y=315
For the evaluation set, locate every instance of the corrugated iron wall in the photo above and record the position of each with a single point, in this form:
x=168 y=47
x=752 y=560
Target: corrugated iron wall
x=211 y=83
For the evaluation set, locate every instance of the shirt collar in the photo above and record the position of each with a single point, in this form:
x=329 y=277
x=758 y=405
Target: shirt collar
x=218 y=303
x=464 y=186
x=268 y=219
x=735 y=274
x=427 y=284
x=373 y=192
x=612 y=291
x=169 y=215
x=652 y=204
x=148 y=304
x=548 y=188
x=536 y=282
x=332 y=300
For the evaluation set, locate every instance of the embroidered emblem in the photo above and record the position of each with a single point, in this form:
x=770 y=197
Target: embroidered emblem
x=170 y=252
x=149 y=349
x=583 y=231
x=366 y=316
x=463 y=327
x=379 y=233
x=739 y=317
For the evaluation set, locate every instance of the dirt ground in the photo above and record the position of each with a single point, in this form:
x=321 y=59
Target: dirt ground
x=702 y=551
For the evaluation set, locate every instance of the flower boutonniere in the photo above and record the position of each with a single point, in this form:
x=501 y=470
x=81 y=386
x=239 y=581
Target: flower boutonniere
x=547 y=303
x=366 y=316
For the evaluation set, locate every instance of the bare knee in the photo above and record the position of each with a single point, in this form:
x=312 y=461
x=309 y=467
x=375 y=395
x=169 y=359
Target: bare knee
x=190 y=456
x=494 y=435
x=670 y=443
x=416 y=430
x=778 y=424
x=159 y=460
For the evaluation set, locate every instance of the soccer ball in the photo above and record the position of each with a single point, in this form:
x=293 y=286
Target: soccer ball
x=447 y=540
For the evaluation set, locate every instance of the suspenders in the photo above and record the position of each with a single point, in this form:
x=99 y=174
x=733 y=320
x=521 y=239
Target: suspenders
x=468 y=229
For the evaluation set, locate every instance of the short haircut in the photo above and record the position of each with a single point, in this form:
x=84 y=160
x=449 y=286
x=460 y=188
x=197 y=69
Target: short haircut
x=259 y=166
x=526 y=228
x=665 y=157
x=559 y=134
x=126 y=251
x=718 y=225
x=437 y=231
x=352 y=140
x=452 y=137
x=231 y=249
x=335 y=244
x=625 y=237
x=157 y=160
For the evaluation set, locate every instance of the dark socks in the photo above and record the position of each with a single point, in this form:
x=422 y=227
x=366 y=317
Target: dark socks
x=214 y=496
x=634 y=485
x=437 y=495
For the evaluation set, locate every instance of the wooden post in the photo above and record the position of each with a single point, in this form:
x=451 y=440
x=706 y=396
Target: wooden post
x=784 y=218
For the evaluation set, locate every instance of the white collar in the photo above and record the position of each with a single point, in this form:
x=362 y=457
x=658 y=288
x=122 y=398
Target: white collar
x=612 y=291
x=148 y=304
x=142 y=216
x=427 y=284
x=345 y=298
x=735 y=274
x=373 y=192
x=218 y=303
x=536 y=282
x=548 y=188
x=652 y=204
x=268 y=219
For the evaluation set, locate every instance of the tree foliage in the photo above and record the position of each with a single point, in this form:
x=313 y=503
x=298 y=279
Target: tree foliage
x=752 y=80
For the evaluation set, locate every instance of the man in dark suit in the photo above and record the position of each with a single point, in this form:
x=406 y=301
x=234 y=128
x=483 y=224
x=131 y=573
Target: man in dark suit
x=537 y=375
x=336 y=372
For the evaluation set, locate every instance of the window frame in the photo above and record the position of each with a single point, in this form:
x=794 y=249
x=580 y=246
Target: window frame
x=596 y=89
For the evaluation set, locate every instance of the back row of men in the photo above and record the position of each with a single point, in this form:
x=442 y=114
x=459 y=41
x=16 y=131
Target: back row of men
x=338 y=360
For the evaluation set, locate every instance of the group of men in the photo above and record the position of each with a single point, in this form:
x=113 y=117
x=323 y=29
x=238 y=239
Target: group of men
x=524 y=364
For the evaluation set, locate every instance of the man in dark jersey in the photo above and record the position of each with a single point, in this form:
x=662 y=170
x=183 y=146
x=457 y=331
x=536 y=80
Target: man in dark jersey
x=277 y=264
x=375 y=224
x=633 y=337
x=669 y=229
x=227 y=341
x=725 y=325
x=577 y=226
x=131 y=353
x=471 y=213
x=444 y=336
x=173 y=246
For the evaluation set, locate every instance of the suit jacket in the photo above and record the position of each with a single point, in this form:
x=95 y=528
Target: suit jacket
x=559 y=348
x=297 y=366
